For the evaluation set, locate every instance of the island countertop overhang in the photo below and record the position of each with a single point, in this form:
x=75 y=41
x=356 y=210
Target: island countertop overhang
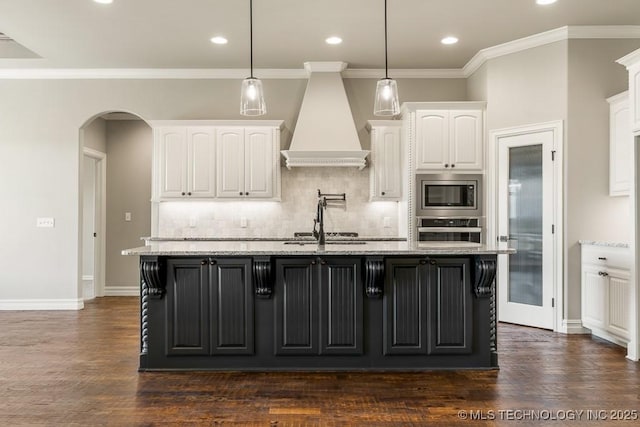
x=306 y=248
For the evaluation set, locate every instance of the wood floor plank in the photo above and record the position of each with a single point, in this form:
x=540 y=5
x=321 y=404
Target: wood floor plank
x=80 y=368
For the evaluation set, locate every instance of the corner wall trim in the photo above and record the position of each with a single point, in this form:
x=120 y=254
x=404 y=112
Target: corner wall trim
x=572 y=326
x=122 y=291
x=41 y=304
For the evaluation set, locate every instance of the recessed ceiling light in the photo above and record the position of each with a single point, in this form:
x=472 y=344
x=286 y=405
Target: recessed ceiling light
x=219 y=40
x=103 y=1
x=545 y=2
x=449 y=40
x=333 y=40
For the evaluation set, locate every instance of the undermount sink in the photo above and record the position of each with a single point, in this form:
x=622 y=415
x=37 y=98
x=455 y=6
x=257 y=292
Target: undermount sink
x=301 y=243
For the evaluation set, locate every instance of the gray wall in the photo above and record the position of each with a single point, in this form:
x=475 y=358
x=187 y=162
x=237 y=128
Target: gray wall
x=590 y=212
x=40 y=156
x=129 y=154
x=569 y=81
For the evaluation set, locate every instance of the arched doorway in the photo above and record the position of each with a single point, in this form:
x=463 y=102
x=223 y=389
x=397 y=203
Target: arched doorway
x=115 y=191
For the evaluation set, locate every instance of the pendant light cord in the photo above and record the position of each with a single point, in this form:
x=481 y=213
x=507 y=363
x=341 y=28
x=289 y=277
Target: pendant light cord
x=251 y=34
x=386 y=66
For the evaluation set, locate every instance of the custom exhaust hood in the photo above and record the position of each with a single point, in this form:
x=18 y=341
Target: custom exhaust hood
x=325 y=133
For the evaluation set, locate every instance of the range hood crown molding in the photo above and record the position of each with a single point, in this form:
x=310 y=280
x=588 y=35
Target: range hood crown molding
x=325 y=133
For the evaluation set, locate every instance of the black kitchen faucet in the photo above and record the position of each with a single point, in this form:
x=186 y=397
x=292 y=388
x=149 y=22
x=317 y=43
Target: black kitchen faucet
x=318 y=233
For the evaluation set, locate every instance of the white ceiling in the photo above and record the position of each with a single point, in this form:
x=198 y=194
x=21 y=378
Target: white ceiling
x=175 y=34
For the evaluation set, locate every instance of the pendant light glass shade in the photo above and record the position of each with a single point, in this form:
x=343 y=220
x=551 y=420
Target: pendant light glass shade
x=386 y=102
x=252 y=98
x=251 y=95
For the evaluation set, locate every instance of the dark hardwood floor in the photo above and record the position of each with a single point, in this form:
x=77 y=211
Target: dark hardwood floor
x=80 y=368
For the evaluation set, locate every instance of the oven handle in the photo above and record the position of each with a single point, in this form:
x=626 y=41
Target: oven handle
x=449 y=230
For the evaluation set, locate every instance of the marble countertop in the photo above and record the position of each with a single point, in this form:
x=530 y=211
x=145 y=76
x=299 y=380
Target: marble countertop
x=301 y=247
x=271 y=239
x=602 y=243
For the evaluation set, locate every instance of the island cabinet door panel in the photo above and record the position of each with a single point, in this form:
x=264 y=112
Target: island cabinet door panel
x=231 y=306
x=405 y=307
x=187 y=303
x=450 y=311
x=341 y=296
x=295 y=303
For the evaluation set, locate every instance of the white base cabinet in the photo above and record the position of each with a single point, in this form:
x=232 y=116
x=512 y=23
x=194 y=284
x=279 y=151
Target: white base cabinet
x=385 y=173
x=606 y=292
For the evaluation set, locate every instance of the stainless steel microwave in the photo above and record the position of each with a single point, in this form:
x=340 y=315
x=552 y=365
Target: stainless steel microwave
x=449 y=195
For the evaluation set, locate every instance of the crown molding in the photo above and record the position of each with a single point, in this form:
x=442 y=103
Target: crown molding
x=631 y=59
x=551 y=36
x=400 y=73
x=518 y=45
x=513 y=46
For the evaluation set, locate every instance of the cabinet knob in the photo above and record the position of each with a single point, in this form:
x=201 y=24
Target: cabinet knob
x=313 y=262
x=602 y=258
x=241 y=193
x=452 y=165
x=603 y=273
x=183 y=193
x=423 y=261
x=212 y=262
x=189 y=193
x=323 y=262
x=246 y=194
x=203 y=262
x=446 y=165
x=383 y=193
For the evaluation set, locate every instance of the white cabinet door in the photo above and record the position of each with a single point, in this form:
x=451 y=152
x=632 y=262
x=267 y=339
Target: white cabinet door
x=620 y=144
x=386 y=163
x=465 y=137
x=230 y=162
x=619 y=306
x=432 y=140
x=259 y=150
x=201 y=162
x=594 y=297
x=172 y=148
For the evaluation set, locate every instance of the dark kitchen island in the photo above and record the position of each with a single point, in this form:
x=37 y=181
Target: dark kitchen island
x=273 y=305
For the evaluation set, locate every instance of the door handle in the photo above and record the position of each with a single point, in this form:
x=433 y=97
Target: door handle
x=503 y=238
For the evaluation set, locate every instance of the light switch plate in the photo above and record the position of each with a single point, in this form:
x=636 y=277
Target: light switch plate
x=45 y=222
x=127 y=216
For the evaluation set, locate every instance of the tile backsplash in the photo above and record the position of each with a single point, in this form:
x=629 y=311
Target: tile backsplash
x=294 y=213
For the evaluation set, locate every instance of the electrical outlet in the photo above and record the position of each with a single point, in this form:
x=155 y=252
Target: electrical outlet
x=127 y=216
x=45 y=222
x=386 y=222
x=243 y=222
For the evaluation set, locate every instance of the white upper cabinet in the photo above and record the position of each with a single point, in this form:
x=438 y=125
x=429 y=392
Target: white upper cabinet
x=186 y=162
x=385 y=173
x=259 y=163
x=248 y=162
x=620 y=145
x=207 y=159
x=632 y=63
x=449 y=140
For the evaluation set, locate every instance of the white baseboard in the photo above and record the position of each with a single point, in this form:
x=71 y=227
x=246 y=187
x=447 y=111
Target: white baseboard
x=573 y=326
x=121 y=291
x=41 y=304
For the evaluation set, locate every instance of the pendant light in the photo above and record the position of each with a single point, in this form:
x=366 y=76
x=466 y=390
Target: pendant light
x=386 y=103
x=251 y=96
